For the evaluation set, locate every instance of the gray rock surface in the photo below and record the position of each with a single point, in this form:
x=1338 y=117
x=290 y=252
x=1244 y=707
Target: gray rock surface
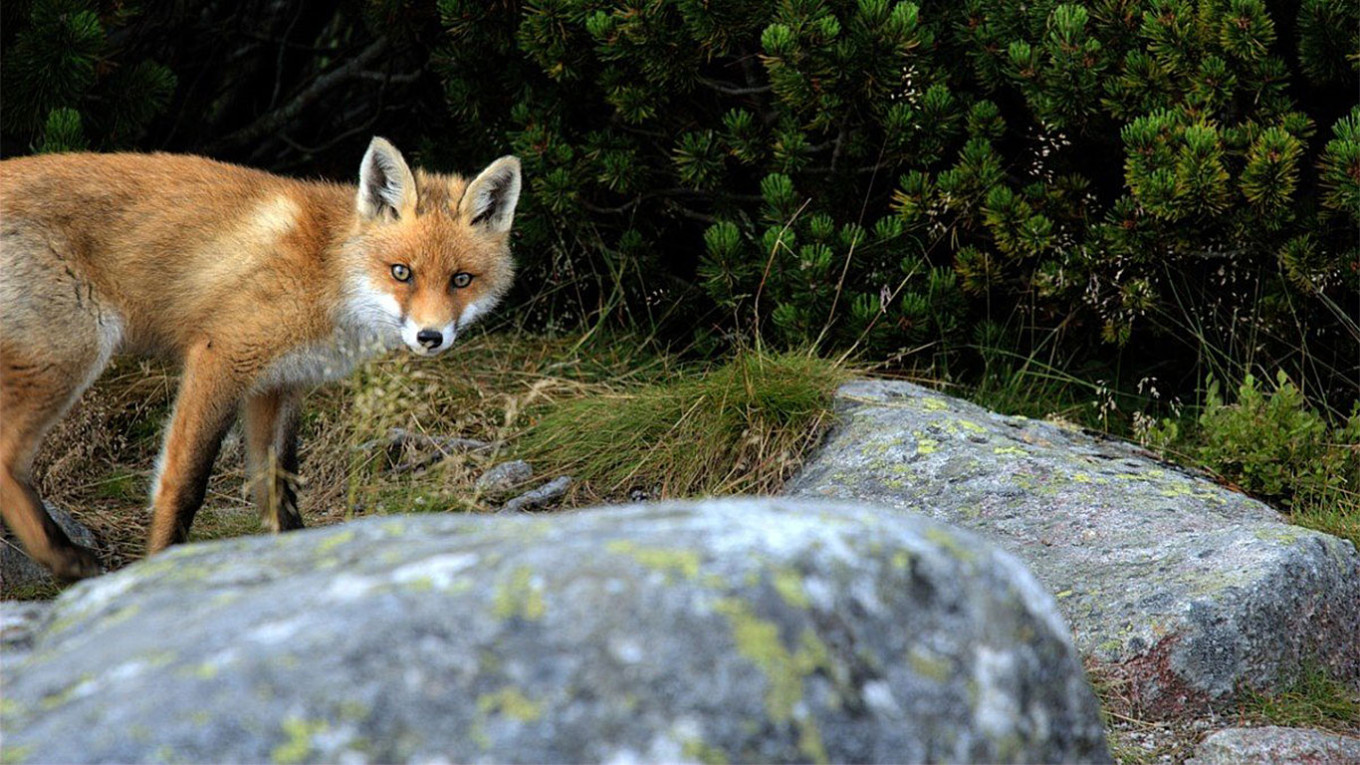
x=1272 y=746
x=1178 y=588
x=20 y=573
x=19 y=623
x=756 y=630
x=505 y=476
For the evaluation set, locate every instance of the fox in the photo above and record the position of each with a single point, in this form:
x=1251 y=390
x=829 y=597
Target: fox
x=258 y=287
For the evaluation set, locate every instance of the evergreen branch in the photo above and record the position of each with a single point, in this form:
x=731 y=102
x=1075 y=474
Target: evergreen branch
x=389 y=79
x=728 y=88
x=668 y=194
x=275 y=120
x=685 y=212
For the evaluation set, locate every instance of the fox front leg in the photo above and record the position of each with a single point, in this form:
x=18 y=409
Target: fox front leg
x=271 y=429
x=204 y=410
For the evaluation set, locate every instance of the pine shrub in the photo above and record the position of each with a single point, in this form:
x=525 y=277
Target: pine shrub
x=1162 y=180
x=65 y=87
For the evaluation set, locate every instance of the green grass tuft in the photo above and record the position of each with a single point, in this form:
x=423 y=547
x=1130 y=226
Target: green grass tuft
x=1316 y=700
x=741 y=427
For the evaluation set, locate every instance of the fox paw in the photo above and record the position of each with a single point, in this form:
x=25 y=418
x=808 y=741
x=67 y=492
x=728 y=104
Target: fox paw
x=76 y=563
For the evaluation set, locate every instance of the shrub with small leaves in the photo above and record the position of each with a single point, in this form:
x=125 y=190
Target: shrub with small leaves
x=1275 y=446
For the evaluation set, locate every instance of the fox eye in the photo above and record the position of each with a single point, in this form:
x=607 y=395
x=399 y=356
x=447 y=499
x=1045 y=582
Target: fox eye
x=401 y=272
x=462 y=279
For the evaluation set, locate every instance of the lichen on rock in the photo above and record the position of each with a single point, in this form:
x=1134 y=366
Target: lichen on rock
x=716 y=631
x=1174 y=585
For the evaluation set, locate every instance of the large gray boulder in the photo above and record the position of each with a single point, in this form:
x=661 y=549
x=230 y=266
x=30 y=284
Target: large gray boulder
x=762 y=630
x=1180 y=590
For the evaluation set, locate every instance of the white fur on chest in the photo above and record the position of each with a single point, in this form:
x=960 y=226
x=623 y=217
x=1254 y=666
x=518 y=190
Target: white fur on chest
x=368 y=323
x=326 y=361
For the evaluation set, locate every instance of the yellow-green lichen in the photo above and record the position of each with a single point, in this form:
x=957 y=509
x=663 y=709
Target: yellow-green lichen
x=1283 y=535
x=334 y=540
x=298 y=744
x=508 y=702
x=511 y=703
x=352 y=710
x=1010 y=450
x=53 y=700
x=926 y=446
x=696 y=750
x=15 y=754
x=810 y=741
x=789 y=584
x=225 y=598
x=712 y=581
x=418 y=584
x=971 y=426
x=520 y=596
x=934 y=668
x=931 y=404
x=950 y=543
x=758 y=641
x=683 y=563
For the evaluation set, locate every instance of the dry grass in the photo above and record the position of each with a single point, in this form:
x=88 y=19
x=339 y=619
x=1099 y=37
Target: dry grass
x=494 y=388
x=1314 y=701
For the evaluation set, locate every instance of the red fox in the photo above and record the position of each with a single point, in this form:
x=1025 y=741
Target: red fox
x=259 y=286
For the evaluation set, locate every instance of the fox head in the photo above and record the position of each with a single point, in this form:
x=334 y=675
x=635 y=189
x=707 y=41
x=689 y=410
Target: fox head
x=429 y=253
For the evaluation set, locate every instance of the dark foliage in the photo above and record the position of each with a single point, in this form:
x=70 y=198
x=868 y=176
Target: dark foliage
x=1131 y=188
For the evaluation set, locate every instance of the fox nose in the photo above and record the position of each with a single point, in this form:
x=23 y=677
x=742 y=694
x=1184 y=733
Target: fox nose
x=430 y=338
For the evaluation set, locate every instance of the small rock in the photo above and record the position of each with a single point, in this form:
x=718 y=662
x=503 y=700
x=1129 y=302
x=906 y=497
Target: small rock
x=543 y=495
x=19 y=572
x=505 y=476
x=1266 y=746
x=19 y=624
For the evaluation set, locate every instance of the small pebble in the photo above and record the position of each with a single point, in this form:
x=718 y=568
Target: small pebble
x=548 y=492
x=505 y=476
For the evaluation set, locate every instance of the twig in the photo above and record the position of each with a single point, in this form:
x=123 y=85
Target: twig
x=443 y=446
x=732 y=90
x=276 y=119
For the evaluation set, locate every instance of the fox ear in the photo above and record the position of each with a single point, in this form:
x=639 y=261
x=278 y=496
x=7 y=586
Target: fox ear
x=386 y=184
x=490 y=199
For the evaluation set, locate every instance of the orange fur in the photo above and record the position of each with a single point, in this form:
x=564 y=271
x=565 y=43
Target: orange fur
x=258 y=285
